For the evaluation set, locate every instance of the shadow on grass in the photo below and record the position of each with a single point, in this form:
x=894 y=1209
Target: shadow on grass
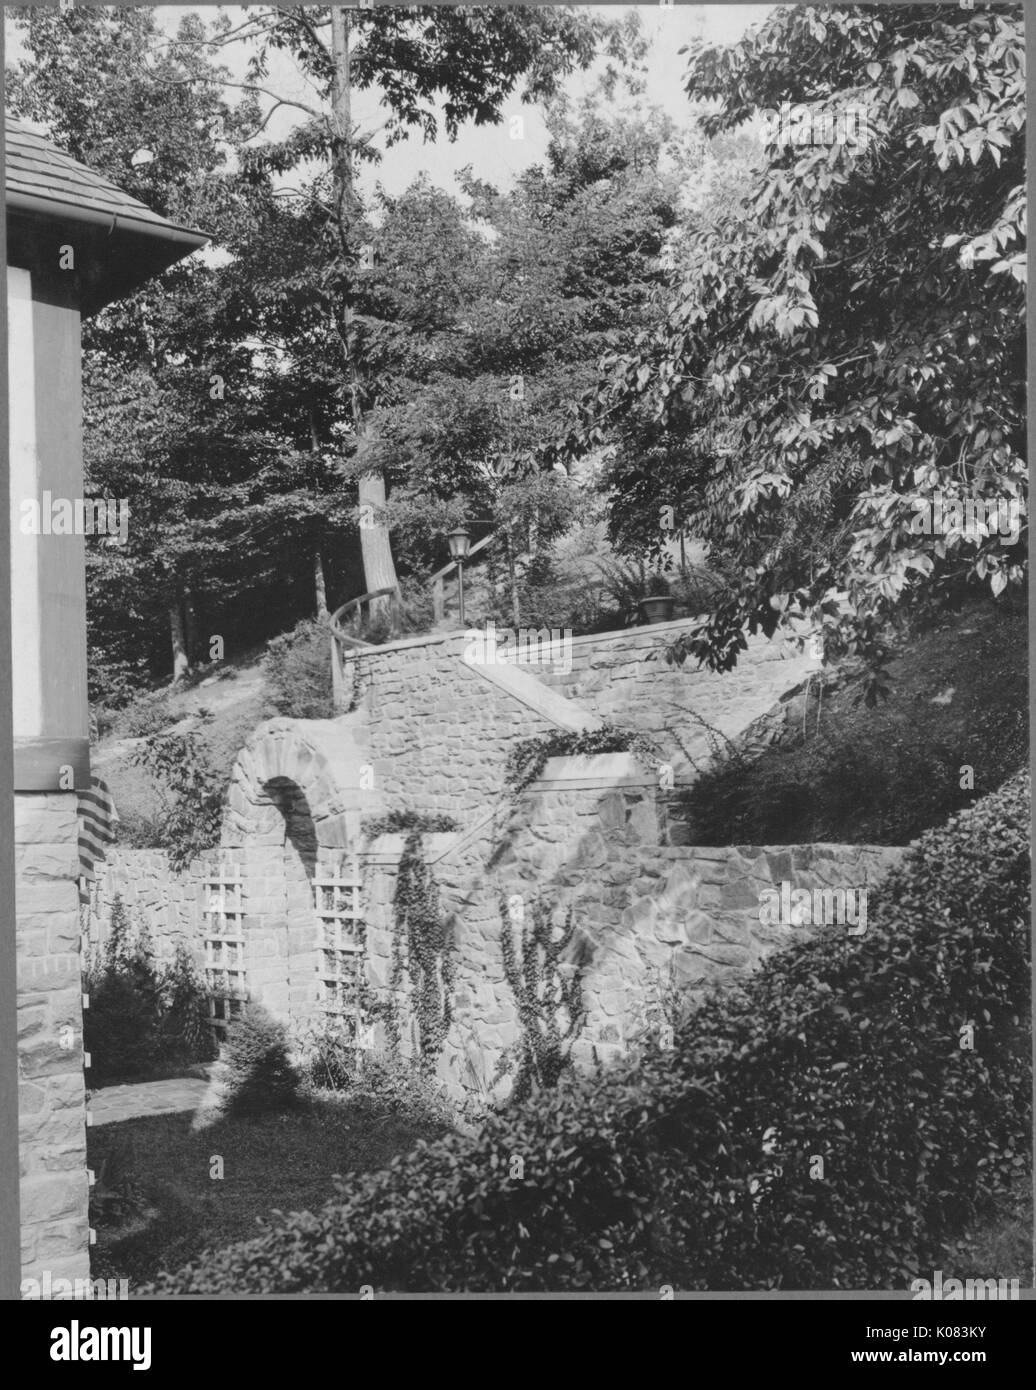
x=165 y=1193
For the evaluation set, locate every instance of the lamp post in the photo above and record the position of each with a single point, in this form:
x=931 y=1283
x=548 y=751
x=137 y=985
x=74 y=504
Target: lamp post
x=460 y=543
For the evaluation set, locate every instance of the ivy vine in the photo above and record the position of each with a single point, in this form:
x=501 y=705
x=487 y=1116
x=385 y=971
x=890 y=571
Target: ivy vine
x=548 y=995
x=528 y=757
x=422 y=940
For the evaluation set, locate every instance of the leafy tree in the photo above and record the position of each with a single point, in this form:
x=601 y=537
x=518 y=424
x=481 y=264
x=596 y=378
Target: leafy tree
x=433 y=67
x=565 y=264
x=849 y=341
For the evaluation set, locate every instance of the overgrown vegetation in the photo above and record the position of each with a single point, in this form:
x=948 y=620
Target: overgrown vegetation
x=953 y=730
x=379 y=1083
x=142 y=1021
x=901 y=1059
x=189 y=824
x=297 y=672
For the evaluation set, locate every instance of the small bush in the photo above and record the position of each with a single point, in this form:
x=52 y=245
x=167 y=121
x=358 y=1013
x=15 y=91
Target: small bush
x=190 y=823
x=375 y=1081
x=142 y=1021
x=121 y=1027
x=695 y=1165
x=255 y=1071
x=186 y=1037
x=147 y=715
x=297 y=672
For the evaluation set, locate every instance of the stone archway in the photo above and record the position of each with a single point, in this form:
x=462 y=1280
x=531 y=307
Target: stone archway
x=296 y=796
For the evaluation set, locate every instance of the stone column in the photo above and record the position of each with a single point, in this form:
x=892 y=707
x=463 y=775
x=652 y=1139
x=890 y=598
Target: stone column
x=51 y=1091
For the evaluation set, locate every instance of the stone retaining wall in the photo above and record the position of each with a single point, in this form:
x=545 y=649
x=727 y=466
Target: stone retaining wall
x=169 y=902
x=652 y=918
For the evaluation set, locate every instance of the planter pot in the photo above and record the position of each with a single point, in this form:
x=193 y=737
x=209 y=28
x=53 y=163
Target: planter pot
x=659 y=609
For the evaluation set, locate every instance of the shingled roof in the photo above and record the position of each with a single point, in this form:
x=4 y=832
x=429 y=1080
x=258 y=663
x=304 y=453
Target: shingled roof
x=128 y=242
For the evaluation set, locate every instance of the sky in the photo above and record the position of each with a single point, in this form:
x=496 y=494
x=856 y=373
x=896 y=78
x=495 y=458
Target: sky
x=491 y=151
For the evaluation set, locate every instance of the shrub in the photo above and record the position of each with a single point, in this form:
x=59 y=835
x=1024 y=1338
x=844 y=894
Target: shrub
x=375 y=1081
x=142 y=1021
x=121 y=1027
x=696 y=1166
x=255 y=1071
x=186 y=1037
x=297 y=672
x=190 y=824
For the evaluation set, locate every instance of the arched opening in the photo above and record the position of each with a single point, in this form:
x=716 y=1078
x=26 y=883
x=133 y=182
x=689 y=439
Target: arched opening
x=292 y=826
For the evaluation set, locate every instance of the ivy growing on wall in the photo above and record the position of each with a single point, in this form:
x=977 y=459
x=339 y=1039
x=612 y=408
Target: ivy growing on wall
x=529 y=756
x=422 y=940
x=548 y=994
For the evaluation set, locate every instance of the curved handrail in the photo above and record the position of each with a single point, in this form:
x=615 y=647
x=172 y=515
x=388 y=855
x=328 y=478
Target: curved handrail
x=355 y=606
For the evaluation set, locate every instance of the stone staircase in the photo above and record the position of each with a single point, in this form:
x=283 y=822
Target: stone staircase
x=623 y=678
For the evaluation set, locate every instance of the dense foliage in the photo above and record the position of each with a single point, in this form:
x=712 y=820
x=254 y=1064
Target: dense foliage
x=847 y=342
x=194 y=792
x=899 y=1058
x=142 y=1019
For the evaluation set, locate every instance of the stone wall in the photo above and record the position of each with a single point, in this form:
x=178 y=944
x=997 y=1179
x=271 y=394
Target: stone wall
x=168 y=902
x=625 y=678
x=422 y=705
x=429 y=730
x=438 y=735
x=51 y=1090
x=652 y=918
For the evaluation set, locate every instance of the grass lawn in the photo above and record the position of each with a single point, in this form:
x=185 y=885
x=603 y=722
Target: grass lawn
x=156 y=1205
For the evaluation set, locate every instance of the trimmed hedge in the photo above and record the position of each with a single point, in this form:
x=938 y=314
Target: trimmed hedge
x=697 y=1167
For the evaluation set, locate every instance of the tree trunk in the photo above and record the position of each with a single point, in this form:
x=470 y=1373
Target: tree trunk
x=512 y=578
x=319 y=585
x=190 y=627
x=379 y=570
x=177 y=632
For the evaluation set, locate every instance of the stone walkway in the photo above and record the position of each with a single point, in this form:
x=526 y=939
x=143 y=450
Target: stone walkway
x=115 y=1103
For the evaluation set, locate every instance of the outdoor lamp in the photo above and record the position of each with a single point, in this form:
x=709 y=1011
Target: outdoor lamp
x=460 y=542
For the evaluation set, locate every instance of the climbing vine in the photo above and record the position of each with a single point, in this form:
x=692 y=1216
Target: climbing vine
x=529 y=756
x=422 y=940
x=548 y=994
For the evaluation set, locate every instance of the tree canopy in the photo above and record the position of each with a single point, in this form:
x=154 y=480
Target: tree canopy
x=849 y=338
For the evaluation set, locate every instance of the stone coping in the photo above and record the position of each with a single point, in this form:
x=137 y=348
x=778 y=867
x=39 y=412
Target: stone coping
x=431 y=639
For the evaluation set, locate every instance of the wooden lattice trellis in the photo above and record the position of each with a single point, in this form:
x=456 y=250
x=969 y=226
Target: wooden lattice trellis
x=337 y=895
x=224 y=948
